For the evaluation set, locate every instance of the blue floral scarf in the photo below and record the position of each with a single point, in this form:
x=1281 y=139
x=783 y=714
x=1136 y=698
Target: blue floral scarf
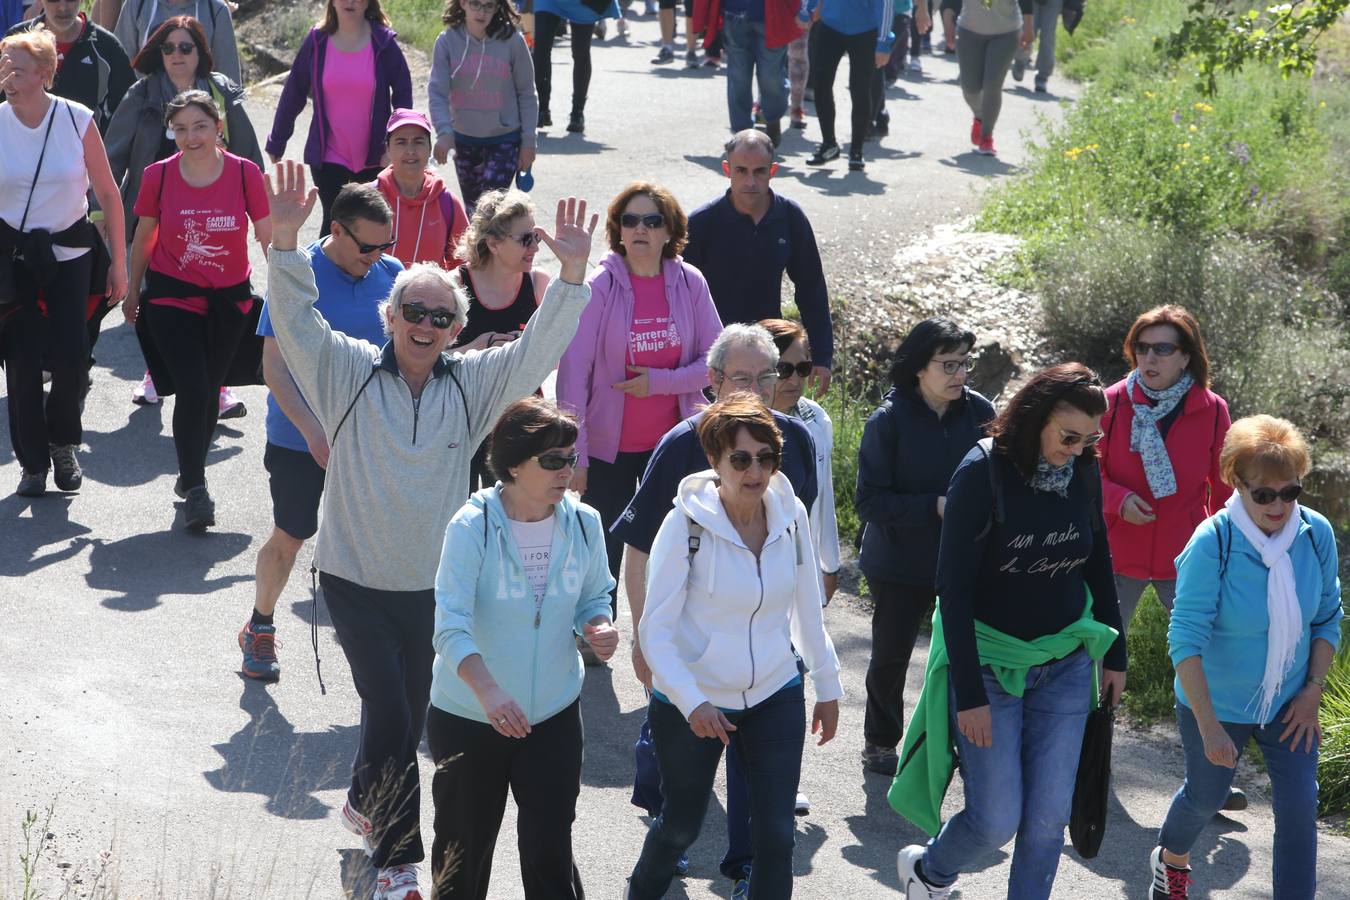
x=1052 y=479
x=1146 y=439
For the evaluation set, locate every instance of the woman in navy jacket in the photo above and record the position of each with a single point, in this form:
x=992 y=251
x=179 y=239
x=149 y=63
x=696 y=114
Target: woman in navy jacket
x=910 y=447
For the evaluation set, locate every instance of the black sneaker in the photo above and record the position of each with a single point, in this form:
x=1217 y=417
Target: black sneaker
x=691 y=60
x=774 y=130
x=881 y=127
x=855 y=161
x=882 y=760
x=1042 y=87
x=545 y=119
x=663 y=56
x=824 y=153
x=1236 y=801
x=178 y=490
x=1169 y=882
x=199 y=510
x=66 y=468
x=576 y=123
x=32 y=484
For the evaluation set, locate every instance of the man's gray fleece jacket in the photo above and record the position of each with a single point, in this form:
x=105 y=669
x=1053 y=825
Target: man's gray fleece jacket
x=399 y=468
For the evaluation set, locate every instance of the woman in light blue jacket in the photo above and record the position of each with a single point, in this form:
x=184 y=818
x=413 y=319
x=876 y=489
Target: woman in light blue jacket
x=523 y=570
x=1256 y=623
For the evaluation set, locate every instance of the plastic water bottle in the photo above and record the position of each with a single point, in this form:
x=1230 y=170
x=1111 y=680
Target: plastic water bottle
x=525 y=181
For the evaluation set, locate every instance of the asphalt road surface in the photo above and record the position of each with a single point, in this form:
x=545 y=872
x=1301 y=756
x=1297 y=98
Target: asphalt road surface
x=121 y=710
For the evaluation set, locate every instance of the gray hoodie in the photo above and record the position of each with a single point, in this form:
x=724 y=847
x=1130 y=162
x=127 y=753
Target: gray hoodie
x=139 y=19
x=482 y=89
x=398 y=468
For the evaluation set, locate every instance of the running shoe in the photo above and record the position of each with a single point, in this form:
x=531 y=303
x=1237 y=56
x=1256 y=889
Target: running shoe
x=855 y=161
x=798 y=118
x=1042 y=86
x=912 y=884
x=32 y=484
x=545 y=118
x=1019 y=69
x=976 y=131
x=682 y=865
x=1169 y=882
x=599 y=33
x=691 y=60
x=881 y=760
x=803 y=805
x=915 y=66
x=259 y=644
x=824 y=153
x=741 y=889
x=65 y=467
x=199 y=510
x=397 y=883
x=576 y=123
x=986 y=147
x=665 y=55
x=231 y=407
x=144 y=394
x=358 y=825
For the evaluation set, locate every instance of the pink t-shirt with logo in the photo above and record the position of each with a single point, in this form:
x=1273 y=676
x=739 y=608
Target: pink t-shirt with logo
x=203 y=231
x=349 y=93
x=653 y=341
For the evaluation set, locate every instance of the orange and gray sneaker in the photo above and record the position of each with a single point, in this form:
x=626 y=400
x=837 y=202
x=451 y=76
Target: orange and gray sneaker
x=259 y=643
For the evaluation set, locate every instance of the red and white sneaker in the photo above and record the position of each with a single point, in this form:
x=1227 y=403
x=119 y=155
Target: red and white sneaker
x=1169 y=882
x=986 y=147
x=976 y=131
x=231 y=407
x=397 y=883
x=360 y=826
x=144 y=394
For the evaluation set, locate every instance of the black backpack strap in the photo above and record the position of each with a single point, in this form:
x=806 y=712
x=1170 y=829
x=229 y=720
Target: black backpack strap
x=1225 y=545
x=463 y=398
x=986 y=446
x=695 y=537
x=581 y=523
x=359 y=391
x=1091 y=475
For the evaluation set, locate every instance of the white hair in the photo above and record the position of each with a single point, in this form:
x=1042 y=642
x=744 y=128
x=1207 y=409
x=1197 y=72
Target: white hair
x=751 y=337
x=430 y=271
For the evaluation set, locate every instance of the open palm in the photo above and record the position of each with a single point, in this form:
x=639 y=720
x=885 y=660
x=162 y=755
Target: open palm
x=571 y=242
x=290 y=202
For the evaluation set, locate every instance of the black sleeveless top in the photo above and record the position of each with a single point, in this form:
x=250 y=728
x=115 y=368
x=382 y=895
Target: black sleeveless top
x=506 y=320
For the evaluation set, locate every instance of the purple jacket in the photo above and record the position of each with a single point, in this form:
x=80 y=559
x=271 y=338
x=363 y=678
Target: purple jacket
x=392 y=82
x=597 y=357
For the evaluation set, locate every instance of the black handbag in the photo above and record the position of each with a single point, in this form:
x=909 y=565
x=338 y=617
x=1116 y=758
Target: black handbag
x=1087 y=818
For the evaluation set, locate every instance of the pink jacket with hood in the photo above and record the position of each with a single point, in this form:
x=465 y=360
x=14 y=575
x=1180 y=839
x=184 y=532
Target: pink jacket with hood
x=597 y=358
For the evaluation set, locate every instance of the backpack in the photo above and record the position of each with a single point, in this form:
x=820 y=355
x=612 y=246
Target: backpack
x=1088 y=474
x=696 y=538
x=1226 y=541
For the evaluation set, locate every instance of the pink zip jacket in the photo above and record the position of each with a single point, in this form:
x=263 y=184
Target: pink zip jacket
x=597 y=358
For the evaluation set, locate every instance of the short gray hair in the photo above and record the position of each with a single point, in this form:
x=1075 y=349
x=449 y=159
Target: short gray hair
x=418 y=272
x=750 y=138
x=751 y=337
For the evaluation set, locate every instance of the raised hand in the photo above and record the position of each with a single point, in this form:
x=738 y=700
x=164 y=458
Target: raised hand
x=571 y=240
x=290 y=202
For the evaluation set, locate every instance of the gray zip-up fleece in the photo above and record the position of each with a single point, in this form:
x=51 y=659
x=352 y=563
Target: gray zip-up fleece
x=398 y=469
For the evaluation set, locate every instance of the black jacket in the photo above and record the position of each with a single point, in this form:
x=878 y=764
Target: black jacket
x=95 y=73
x=905 y=463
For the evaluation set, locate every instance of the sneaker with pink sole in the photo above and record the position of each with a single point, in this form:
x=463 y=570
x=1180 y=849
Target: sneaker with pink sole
x=144 y=394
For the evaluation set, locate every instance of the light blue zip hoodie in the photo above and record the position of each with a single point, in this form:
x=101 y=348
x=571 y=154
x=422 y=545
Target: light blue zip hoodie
x=851 y=17
x=484 y=605
x=1225 y=621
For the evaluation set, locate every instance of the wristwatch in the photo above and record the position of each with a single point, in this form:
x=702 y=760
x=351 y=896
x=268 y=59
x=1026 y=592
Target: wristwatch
x=1319 y=680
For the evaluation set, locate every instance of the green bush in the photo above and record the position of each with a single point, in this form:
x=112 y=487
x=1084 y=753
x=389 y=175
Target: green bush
x=849 y=411
x=1148 y=685
x=1333 y=767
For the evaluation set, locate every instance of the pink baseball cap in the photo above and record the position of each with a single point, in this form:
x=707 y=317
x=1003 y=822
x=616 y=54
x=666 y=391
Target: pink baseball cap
x=403 y=117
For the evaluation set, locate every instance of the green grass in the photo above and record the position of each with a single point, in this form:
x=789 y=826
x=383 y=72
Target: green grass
x=849 y=411
x=1333 y=767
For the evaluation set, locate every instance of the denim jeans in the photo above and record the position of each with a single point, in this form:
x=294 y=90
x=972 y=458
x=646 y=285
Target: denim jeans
x=1021 y=785
x=747 y=57
x=1293 y=786
x=769 y=738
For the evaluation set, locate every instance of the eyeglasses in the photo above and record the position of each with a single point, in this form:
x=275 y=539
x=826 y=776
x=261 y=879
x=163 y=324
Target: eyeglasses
x=741 y=459
x=745 y=381
x=415 y=312
x=787 y=369
x=651 y=221
x=526 y=240
x=184 y=47
x=478 y=7
x=1264 y=496
x=952 y=366
x=554 y=462
x=1073 y=438
x=365 y=249
x=1160 y=349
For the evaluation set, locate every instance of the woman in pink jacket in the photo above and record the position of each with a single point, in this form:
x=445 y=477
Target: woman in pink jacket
x=638 y=363
x=1159 y=453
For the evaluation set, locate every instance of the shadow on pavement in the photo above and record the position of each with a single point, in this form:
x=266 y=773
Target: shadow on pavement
x=268 y=757
x=610 y=732
x=131 y=568
x=47 y=524
x=975 y=164
x=358 y=875
x=880 y=833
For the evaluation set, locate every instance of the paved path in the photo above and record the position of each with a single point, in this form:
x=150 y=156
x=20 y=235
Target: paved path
x=119 y=699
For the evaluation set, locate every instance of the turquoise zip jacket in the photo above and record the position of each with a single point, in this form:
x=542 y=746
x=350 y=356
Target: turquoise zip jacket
x=484 y=605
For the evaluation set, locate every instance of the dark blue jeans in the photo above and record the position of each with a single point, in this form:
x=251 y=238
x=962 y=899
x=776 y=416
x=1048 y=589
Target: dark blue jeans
x=769 y=739
x=1293 y=786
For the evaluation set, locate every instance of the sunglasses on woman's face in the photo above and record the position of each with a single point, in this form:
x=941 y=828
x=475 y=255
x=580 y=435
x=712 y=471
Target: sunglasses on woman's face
x=554 y=462
x=786 y=369
x=1161 y=349
x=473 y=6
x=415 y=312
x=526 y=240
x=651 y=221
x=1264 y=496
x=741 y=459
x=1073 y=438
x=184 y=47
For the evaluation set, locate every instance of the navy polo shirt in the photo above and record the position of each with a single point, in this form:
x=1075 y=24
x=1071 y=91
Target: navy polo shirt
x=744 y=265
x=680 y=454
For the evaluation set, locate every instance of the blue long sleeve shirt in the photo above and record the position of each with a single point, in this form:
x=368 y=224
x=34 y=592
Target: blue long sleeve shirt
x=1224 y=620
x=744 y=264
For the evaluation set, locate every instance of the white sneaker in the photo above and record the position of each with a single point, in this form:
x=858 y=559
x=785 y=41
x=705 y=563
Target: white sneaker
x=397 y=883
x=358 y=825
x=231 y=407
x=803 y=807
x=911 y=885
x=623 y=28
x=144 y=394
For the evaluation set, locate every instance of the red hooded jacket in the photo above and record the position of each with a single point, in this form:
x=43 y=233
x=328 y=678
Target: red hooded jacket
x=780 y=21
x=426 y=227
x=1149 y=552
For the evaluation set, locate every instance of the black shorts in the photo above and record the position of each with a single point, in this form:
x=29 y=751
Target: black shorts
x=296 y=482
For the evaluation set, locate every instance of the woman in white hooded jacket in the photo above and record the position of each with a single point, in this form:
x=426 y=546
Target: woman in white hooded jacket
x=732 y=588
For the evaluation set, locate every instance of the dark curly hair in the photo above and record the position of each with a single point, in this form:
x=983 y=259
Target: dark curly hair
x=505 y=20
x=1017 y=430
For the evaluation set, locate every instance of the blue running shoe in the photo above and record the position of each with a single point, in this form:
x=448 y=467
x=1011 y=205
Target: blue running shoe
x=259 y=643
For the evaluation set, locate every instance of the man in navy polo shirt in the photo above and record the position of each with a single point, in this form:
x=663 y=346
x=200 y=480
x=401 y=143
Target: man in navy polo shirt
x=743 y=358
x=745 y=240
x=353 y=275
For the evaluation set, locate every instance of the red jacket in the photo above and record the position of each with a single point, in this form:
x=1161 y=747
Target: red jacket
x=780 y=21
x=1193 y=444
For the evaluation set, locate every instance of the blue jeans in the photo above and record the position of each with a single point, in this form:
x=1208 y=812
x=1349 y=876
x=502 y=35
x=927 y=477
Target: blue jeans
x=747 y=58
x=769 y=739
x=1021 y=785
x=1293 y=786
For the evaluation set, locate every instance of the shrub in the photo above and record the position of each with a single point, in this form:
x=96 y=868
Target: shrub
x=849 y=411
x=1333 y=766
x=1148 y=685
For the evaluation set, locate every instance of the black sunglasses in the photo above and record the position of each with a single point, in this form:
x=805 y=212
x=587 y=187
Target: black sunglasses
x=1073 y=438
x=183 y=47
x=553 y=462
x=787 y=369
x=740 y=460
x=653 y=221
x=365 y=249
x=1160 y=349
x=416 y=312
x=1264 y=496
x=526 y=240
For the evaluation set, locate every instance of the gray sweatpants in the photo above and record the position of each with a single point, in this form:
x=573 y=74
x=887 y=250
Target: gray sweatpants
x=984 y=60
x=1045 y=20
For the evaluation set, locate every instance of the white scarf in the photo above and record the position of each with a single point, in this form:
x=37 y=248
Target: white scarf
x=1286 y=616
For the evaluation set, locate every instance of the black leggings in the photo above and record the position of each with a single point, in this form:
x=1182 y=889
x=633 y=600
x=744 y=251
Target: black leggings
x=831 y=46
x=546 y=26
x=197 y=350
x=56 y=341
x=609 y=487
x=896 y=615
x=330 y=179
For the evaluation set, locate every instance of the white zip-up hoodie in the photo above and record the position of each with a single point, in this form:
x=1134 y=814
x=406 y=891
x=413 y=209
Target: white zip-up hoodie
x=721 y=627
